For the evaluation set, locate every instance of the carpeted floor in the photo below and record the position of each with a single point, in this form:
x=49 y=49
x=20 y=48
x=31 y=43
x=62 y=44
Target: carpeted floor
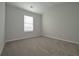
x=40 y=46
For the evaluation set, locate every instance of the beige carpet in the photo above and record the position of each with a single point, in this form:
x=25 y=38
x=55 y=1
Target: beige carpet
x=40 y=46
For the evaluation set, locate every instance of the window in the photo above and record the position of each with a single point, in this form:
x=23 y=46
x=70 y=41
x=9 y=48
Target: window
x=28 y=23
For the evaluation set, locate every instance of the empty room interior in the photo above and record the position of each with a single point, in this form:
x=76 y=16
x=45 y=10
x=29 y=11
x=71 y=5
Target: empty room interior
x=39 y=28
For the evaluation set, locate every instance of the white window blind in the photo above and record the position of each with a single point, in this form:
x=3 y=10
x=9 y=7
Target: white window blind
x=28 y=23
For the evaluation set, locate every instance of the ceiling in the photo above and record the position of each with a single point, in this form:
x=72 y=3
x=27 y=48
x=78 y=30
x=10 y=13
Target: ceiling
x=40 y=7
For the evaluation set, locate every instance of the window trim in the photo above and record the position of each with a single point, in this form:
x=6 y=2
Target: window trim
x=32 y=24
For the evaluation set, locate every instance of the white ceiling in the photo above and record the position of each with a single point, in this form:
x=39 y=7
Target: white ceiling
x=40 y=7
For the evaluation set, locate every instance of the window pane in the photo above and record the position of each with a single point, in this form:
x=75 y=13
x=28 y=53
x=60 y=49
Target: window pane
x=28 y=27
x=28 y=19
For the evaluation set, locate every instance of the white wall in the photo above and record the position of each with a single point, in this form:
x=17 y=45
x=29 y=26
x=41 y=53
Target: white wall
x=2 y=25
x=15 y=24
x=62 y=22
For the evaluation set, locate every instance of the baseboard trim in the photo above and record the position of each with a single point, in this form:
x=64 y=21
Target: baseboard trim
x=61 y=39
x=44 y=36
x=21 y=38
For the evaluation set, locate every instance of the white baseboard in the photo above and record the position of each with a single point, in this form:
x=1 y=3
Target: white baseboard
x=20 y=38
x=61 y=39
x=44 y=36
